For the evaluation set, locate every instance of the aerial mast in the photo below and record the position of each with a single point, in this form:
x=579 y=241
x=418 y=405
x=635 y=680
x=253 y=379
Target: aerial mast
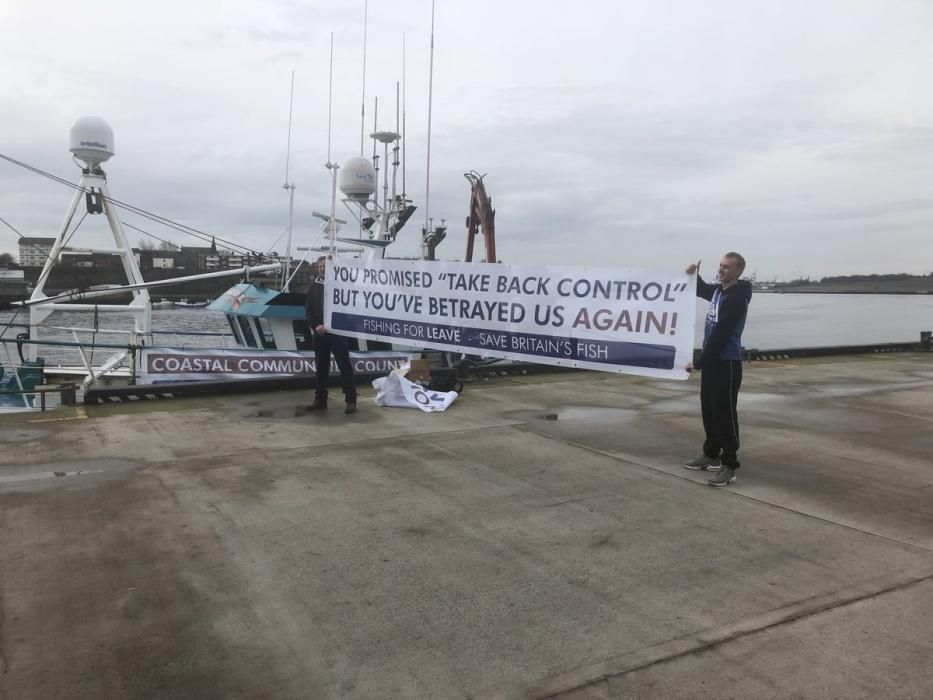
x=291 y=190
x=430 y=235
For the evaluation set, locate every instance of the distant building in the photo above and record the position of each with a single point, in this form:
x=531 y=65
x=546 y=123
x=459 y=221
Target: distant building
x=192 y=257
x=158 y=259
x=33 y=252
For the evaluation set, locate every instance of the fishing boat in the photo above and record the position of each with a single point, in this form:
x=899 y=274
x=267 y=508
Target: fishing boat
x=269 y=333
x=373 y=192
x=91 y=144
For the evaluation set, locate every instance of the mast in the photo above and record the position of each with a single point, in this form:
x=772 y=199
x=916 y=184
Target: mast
x=291 y=190
x=395 y=149
x=331 y=225
x=430 y=235
x=427 y=176
x=363 y=99
x=402 y=132
x=375 y=154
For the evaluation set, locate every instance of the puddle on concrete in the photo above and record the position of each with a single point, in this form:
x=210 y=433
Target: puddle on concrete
x=848 y=390
x=331 y=415
x=681 y=404
x=576 y=413
x=67 y=470
x=674 y=387
x=22 y=434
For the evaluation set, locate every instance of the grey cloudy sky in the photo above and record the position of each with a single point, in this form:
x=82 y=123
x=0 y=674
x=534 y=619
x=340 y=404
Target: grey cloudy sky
x=613 y=133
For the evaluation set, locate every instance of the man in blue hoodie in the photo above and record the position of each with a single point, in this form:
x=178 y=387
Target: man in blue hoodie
x=720 y=365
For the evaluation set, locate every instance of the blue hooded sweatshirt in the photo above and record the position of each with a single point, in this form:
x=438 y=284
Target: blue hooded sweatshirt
x=725 y=320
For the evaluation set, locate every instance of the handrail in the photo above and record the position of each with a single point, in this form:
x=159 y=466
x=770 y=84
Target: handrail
x=66 y=393
x=183 y=332
x=67 y=344
x=167 y=332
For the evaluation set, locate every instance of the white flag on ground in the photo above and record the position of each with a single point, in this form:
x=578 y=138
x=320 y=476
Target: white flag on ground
x=396 y=390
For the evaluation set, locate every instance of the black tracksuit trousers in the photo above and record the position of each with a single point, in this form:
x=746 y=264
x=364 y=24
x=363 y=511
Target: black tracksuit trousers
x=719 y=390
x=339 y=345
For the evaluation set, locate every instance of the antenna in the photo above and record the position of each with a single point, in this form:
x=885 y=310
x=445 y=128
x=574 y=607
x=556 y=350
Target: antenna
x=330 y=95
x=331 y=165
x=363 y=100
x=375 y=124
x=427 y=175
x=291 y=190
x=395 y=149
x=375 y=155
x=403 y=117
x=288 y=146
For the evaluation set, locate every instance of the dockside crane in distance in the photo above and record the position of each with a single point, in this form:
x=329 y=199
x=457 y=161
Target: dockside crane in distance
x=482 y=217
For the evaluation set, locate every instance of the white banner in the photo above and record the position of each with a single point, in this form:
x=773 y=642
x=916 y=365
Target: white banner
x=396 y=390
x=609 y=319
x=197 y=365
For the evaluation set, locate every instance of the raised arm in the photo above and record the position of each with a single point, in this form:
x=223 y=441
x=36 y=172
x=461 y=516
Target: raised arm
x=704 y=289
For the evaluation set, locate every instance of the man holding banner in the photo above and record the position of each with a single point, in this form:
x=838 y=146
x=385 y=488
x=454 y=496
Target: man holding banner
x=720 y=365
x=606 y=319
x=325 y=344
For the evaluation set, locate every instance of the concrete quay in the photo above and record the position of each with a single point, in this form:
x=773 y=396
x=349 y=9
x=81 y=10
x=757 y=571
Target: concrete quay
x=538 y=540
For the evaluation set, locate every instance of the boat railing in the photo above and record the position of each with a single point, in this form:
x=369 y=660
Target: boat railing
x=67 y=395
x=75 y=329
x=225 y=338
x=66 y=343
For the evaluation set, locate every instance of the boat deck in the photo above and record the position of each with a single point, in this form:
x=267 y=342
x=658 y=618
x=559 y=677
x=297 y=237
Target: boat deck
x=539 y=539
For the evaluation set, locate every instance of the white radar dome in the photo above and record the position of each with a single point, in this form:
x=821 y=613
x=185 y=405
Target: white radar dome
x=358 y=178
x=91 y=141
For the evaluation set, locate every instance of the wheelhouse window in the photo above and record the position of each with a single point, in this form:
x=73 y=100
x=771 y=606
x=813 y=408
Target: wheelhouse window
x=249 y=338
x=237 y=337
x=265 y=333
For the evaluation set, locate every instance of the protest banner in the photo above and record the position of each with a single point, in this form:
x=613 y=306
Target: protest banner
x=196 y=364
x=609 y=319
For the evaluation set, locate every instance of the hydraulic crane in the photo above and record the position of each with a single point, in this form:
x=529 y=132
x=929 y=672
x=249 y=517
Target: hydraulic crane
x=482 y=217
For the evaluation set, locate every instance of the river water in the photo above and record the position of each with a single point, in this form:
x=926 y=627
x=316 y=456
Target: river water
x=775 y=321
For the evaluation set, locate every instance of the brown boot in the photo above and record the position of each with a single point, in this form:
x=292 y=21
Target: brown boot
x=319 y=404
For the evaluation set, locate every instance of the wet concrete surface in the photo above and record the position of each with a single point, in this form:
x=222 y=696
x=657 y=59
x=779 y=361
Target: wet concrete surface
x=539 y=539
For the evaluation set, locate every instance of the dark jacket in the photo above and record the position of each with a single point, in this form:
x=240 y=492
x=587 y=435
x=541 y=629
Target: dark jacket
x=314 y=305
x=725 y=320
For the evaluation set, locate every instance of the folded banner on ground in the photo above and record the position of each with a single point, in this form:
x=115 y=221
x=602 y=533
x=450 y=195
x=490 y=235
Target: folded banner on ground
x=396 y=390
x=610 y=319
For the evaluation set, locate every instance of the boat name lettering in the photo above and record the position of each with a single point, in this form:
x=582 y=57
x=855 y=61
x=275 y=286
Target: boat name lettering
x=250 y=365
x=257 y=365
x=171 y=364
